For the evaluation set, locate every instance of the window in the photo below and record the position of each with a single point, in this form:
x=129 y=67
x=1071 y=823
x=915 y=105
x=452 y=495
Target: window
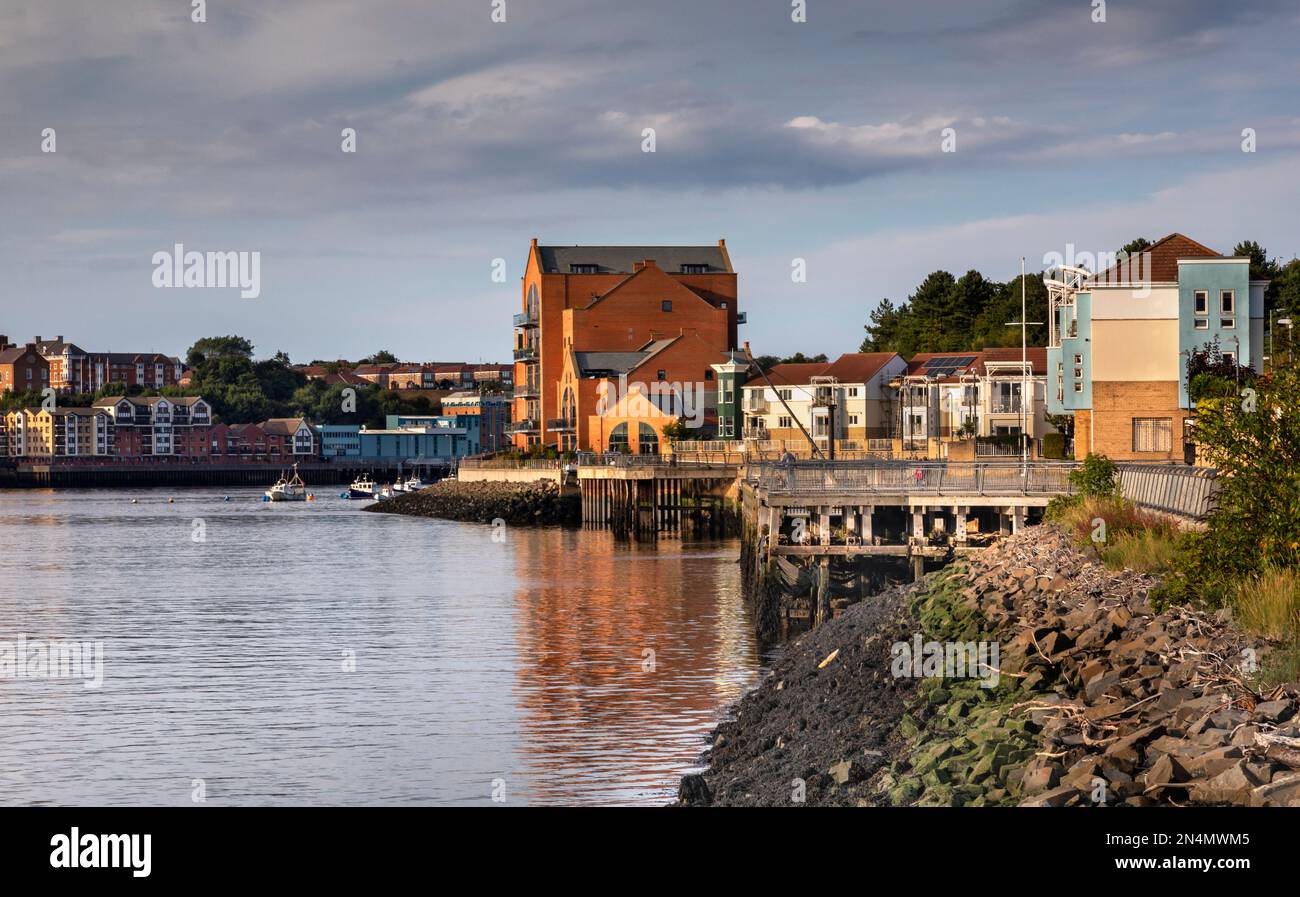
x=784 y=394
x=583 y=269
x=1227 y=323
x=695 y=269
x=1202 y=302
x=853 y=420
x=1227 y=301
x=708 y=375
x=784 y=423
x=618 y=439
x=666 y=305
x=1078 y=387
x=723 y=305
x=1152 y=434
x=1202 y=324
x=1230 y=357
x=661 y=374
x=1078 y=358
x=853 y=392
x=1078 y=373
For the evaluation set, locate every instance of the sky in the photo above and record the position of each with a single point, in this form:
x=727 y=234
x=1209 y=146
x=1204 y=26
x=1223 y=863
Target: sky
x=820 y=140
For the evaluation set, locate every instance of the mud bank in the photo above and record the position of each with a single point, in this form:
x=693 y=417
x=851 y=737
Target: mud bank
x=518 y=504
x=1079 y=693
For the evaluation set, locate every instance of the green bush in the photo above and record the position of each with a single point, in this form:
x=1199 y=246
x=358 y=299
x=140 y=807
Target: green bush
x=1054 y=446
x=1096 y=477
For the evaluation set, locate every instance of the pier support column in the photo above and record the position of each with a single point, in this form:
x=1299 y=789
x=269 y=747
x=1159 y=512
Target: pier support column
x=959 y=514
x=824 y=526
x=918 y=524
x=1017 y=519
x=866 y=514
x=1004 y=521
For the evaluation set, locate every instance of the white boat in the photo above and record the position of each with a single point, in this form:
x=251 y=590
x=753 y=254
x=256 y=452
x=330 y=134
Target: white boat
x=383 y=493
x=291 y=489
x=414 y=484
x=362 y=487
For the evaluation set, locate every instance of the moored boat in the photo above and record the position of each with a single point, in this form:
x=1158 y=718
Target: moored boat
x=362 y=487
x=288 y=489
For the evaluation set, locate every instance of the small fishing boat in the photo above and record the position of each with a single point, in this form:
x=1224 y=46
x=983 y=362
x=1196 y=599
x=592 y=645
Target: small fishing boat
x=384 y=493
x=414 y=484
x=288 y=489
x=362 y=487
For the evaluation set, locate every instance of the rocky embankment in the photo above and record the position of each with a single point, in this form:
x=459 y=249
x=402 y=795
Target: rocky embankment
x=518 y=504
x=1089 y=696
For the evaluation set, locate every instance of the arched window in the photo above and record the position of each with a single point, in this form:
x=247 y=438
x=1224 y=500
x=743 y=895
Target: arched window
x=568 y=406
x=618 y=439
x=532 y=301
x=648 y=439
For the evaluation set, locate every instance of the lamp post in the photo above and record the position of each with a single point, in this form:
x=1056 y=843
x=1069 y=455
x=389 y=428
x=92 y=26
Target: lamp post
x=1024 y=362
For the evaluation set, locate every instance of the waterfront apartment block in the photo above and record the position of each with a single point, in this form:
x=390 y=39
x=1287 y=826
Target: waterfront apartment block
x=579 y=304
x=57 y=433
x=947 y=396
x=850 y=398
x=22 y=368
x=159 y=426
x=1120 y=341
x=493 y=412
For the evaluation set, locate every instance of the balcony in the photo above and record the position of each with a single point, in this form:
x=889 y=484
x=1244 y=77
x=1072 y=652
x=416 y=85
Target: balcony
x=525 y=320
x=527 y=353
x=529 y=425
x=527 y=391
x=561 y=425
x=1006 y=406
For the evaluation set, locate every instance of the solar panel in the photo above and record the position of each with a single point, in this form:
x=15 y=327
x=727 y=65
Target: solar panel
x=946 y=366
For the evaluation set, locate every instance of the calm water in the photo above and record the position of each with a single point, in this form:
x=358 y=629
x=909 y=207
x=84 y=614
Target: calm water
x=516 y=662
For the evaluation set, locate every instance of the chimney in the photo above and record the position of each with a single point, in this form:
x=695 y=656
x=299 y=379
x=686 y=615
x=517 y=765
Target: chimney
x=37 y=338
x=4 y=341
x=650 y=263
x=59 y=338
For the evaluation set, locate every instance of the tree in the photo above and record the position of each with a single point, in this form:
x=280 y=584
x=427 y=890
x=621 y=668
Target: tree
x=882 y=328
x=1261 y=268
x=383 y=356
x=1132 y=247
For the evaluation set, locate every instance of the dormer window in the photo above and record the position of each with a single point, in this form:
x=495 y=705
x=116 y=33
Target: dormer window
x=583 y=269
x=695 y=269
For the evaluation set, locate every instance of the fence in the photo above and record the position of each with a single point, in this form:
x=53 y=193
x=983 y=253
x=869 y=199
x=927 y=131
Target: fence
x=510 y=463
x=923 y=477
x=1172 y=488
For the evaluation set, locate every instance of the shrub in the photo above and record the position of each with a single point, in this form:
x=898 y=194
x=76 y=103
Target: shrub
x=1110 y=518
x=1096 y=477
x=1054 y=446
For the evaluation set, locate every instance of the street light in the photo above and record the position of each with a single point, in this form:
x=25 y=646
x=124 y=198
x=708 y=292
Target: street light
x=1024 y=362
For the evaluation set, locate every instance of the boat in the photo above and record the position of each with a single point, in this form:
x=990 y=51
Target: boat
x=414 y=484
x=362 y=487
x=384 y=493
x=290 y=489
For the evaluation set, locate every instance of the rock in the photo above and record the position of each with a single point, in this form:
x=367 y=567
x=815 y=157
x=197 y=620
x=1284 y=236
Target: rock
x=1063 y=796
x=1234 y=785
x=1041 y=779
x=1166 y=770
x=1283 y=791
x=1274 y=711
x=694 y=791
x=847 y=771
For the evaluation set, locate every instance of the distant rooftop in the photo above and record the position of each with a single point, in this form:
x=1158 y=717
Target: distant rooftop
x=623 y=259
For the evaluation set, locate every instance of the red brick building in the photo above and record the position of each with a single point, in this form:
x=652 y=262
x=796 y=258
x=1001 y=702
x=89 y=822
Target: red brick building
x=612 y=299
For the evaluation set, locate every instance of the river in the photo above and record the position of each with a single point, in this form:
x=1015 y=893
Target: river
x=312 y=654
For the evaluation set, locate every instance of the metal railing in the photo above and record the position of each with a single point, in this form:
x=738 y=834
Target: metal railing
x=527 y=425
x=511 y=463
x=525 y=319
x=560 y=424
x=911 y=478
x=617 y=459
x=1178 y=489
x=525 y=353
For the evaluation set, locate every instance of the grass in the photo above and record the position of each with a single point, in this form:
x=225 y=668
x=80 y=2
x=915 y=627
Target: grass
x=1146 y=551
x=1268 y=604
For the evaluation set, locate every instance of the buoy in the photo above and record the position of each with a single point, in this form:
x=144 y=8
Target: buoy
x=266 y=498
x=134 y=500
x=344 y=495
x=171 y=501
x=310 y=497
x=225 y=498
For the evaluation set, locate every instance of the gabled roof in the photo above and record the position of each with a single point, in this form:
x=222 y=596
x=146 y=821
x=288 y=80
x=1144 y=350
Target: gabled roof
x=1158 y=263
x=943 y=366
x=622 y=259
x=283 y=426
x=796 y=374
x=1035 y=355
x=858 y=367
x=15 y=353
